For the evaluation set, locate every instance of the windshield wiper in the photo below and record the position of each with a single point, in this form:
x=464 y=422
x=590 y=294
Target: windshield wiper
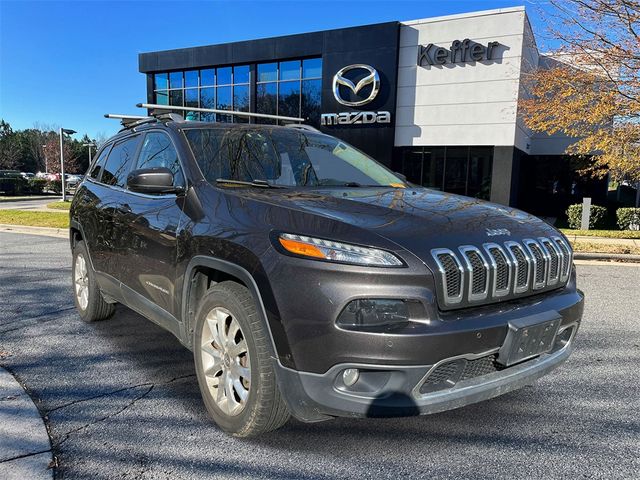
x=252 y=183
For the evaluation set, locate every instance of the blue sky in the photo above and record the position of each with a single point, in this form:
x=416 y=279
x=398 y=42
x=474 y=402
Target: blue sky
x=68 y=63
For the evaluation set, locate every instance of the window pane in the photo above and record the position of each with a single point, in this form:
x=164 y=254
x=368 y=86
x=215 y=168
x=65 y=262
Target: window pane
x=241 y=74
x=191 y=78
x=207 y=100
x=224 y=103
x=480 y=163
x=290 y=70
x=311 y=93
x=312 y=68
x=289 y=99
x=158 y=152
x=241 y=102
x=267 y=100
x=162 y=97
x=433 y=167
x=175 y=80
x=207 y=77
x=191 y=97
x=224 y=76
x=161 y=81
x=455 y=176
x=119 y=162
x=99 y=163
x=267 y=72
x=412 y=165
x=175 y=97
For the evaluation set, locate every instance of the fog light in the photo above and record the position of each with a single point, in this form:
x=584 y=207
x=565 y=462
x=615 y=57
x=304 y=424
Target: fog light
x=374 y=312
x=350 y=376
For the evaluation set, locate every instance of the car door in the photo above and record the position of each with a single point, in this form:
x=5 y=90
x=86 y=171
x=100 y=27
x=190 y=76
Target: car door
x=148 y=259
x=113 y=178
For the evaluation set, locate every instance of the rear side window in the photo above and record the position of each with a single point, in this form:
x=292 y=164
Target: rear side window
x=158 y=151
x=98 y=164
x=119 y=162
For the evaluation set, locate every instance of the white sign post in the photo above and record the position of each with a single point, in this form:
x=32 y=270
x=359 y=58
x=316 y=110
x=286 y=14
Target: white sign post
x=586 y=213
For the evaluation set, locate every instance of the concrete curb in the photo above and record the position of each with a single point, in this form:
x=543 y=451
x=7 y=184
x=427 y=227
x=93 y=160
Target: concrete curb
x=27 y=199
x=46 y=231
x=607 y=256
x=25 y=447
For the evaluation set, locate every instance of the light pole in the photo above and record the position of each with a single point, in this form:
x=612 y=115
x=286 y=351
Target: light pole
x=44 y=152
x=69 y=132
x=90 y=145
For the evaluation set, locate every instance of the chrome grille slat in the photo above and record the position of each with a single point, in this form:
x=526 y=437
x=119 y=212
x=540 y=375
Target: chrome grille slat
x=566 y=258
x=451 y=273
x=521 y=263
x=539 y=261
x=477 y=274
x=500 y=270
x=495 y=270
x=554 y=260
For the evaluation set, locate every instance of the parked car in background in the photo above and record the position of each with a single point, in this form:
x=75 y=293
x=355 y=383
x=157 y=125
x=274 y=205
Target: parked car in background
x=28 y=175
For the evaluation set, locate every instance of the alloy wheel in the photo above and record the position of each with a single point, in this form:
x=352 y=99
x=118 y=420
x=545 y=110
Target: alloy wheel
x=81 y=281
x=225 y=361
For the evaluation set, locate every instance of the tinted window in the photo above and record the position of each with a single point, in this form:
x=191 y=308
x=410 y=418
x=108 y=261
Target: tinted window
x=98 y=163
x=285 y=157
x=119 y=162
x=158 y=151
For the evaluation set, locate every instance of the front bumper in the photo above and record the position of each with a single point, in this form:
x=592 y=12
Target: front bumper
x=399 y=391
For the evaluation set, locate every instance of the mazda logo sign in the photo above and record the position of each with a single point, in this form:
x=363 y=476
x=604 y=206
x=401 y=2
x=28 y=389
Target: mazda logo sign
x=371 y=78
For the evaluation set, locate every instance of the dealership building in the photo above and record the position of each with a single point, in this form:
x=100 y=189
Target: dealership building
x=435 y=99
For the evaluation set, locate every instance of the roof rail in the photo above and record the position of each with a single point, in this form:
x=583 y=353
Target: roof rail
x=152 y=106
x=131 y=121
x=300 y=126
x=125 y=120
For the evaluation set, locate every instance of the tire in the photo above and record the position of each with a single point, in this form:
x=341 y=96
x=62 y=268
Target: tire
x=89 y=301
x=231 y=341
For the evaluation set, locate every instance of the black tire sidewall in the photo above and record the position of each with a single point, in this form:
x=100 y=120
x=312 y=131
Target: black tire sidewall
x=238 y=423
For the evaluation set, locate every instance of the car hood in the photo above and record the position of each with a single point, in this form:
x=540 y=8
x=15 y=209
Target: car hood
x=415 y=219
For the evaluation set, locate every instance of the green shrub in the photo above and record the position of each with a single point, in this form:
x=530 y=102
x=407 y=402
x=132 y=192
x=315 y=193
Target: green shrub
x=628 y=218
x=36 y=186
x=12 y=185
x=54 y=186
x=596 y=219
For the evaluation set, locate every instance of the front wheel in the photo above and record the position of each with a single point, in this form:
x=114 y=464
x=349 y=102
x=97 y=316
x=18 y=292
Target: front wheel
x=233 y=365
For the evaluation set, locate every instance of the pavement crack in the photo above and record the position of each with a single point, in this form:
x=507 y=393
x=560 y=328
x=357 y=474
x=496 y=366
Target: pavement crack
x=151 y=386
x=18 y=457
x=113 y=392
x=30 y=320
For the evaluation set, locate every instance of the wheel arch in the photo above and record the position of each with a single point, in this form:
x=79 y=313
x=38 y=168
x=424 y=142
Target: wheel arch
x=203 y=271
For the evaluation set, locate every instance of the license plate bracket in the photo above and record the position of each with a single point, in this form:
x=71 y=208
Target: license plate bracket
x=529 y=337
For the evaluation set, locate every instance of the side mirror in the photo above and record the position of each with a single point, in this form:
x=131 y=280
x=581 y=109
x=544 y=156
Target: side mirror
x=152 y=180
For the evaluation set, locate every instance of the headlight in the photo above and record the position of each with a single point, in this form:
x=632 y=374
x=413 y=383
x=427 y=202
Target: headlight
x=337 y=252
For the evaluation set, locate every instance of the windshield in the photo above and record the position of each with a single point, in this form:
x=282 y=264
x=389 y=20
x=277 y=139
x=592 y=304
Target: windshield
x=285 y=157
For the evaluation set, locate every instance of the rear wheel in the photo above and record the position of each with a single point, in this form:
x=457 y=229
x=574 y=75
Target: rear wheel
x=233 y=364
x=87 y=296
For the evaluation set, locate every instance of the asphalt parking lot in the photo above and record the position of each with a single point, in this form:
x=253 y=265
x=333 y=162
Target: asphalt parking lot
x=121 y=400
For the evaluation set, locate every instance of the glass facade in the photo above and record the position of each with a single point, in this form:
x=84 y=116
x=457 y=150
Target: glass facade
x=291 y=88
x=461 y=170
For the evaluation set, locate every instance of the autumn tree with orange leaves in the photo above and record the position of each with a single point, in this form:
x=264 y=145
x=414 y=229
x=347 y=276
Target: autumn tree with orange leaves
x=590 y=88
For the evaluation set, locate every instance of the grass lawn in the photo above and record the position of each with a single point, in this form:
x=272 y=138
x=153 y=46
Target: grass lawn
x=35 y=219
x=604 y=248
x=602 y=233
x=59 y=205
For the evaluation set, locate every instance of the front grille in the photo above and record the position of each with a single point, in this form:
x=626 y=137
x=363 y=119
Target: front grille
x=472 y=275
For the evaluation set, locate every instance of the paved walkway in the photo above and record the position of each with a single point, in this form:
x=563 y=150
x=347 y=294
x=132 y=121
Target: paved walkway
x=38 y=204
x=25 y=449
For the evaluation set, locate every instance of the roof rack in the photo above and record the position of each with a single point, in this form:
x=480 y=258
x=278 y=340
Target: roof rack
x=130 y=121
x=165 y=108
x=303 y=127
